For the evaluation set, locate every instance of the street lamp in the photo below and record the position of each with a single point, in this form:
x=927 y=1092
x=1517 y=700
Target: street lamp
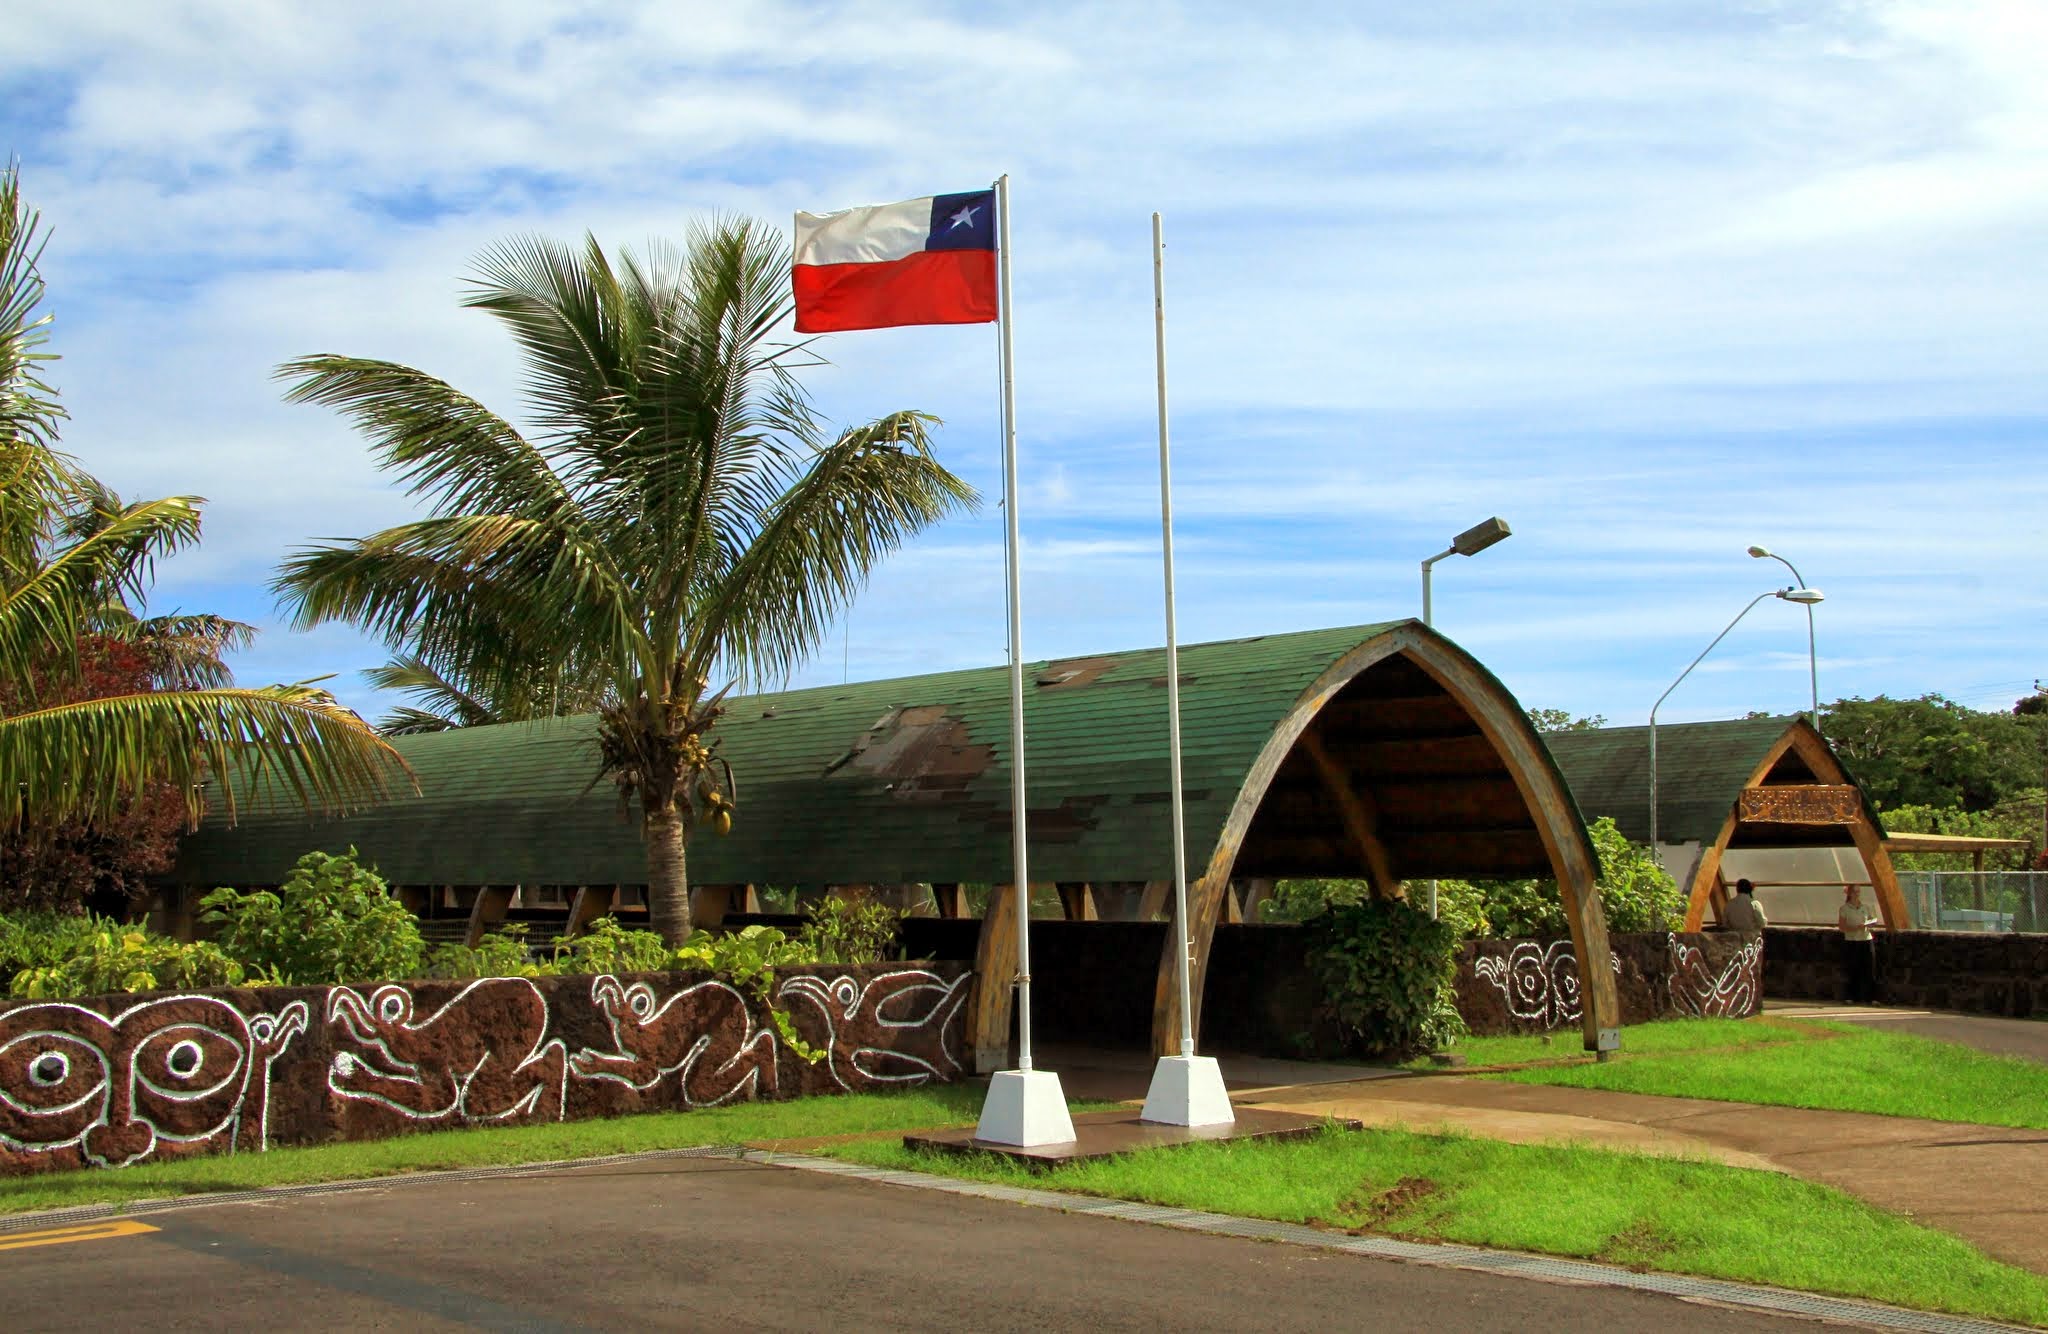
x=1808 y=596
x=1471 y=542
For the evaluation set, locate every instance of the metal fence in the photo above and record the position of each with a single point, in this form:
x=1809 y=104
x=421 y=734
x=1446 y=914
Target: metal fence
x=1977 y=900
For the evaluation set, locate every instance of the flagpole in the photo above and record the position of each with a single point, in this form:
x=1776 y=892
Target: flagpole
x=1024 y=1106
x=1021 y=872
x=1186 y=1089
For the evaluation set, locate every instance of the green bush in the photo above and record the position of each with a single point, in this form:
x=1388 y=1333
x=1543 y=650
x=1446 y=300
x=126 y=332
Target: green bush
x=332 y=920
x=103 y=956
x=501 y=953
x=1385 y=971
x=1637 y=892
x=607 y=947
x=837 y=931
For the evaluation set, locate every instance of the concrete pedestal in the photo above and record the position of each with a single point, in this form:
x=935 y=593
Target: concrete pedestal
x=1025 y=1108
x=1188 y=1091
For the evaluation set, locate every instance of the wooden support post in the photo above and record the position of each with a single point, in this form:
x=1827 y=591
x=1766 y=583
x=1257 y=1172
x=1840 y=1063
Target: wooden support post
x=492 y=902
x=995 y=975
x=1152 y=904
x=591 y=902
x=710 y=903
x=1361 y=821
x=1257 y=891
x=1233 y=904
x=950 y=898
x=1077 y=901
x=418 y=899
x=1205 y=907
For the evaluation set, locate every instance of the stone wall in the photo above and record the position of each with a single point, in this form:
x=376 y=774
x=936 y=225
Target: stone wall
x=1976 y=972
x=1261 y=998
x=116 y=1080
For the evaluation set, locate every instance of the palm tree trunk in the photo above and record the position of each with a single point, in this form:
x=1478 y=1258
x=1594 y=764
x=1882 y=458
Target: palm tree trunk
x=668 y=880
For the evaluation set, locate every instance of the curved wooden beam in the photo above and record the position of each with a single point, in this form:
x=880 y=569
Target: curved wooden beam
x=1506 y=728
x=995 y=983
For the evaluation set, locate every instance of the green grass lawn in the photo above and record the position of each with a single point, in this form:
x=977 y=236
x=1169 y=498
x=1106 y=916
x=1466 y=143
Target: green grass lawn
x=956 y=1104
x=1854 y=1069
x=1667 y=1035
x=1658 y=1213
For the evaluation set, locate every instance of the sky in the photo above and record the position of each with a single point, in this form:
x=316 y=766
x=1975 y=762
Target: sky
x=1651 y=281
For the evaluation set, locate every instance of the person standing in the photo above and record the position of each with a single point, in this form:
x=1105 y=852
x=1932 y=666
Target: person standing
x=1859 y=951
x=1743 y=915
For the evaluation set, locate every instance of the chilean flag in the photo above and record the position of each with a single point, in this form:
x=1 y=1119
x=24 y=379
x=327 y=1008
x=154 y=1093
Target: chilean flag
x=923 y=261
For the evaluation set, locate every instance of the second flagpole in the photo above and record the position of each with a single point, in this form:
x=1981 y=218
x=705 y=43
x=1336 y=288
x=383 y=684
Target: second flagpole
x=1186 y=1089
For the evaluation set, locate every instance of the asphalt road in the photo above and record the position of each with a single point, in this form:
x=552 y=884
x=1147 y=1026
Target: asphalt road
x=684 y=1244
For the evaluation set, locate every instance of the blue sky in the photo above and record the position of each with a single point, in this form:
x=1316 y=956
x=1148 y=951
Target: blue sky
x=1651 y=281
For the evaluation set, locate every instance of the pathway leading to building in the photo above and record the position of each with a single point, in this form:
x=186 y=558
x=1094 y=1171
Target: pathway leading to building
x=2026 y=1038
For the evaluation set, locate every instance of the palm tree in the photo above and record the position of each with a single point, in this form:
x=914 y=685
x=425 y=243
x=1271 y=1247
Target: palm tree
x=439 y=703
x=677 y=517
x=71 y=558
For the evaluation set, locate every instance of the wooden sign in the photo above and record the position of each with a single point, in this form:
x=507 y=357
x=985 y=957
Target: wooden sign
x=1801 y=803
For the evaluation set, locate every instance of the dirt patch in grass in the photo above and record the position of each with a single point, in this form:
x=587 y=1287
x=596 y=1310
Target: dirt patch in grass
x=1640 y=1246
x=1368 y=1209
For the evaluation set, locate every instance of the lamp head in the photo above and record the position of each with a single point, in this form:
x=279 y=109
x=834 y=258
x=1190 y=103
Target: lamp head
x=1809 y=596
x=1761 y=553
x=1480 y=536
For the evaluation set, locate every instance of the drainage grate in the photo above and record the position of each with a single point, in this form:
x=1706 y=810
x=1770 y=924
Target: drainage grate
x=1506 y=1263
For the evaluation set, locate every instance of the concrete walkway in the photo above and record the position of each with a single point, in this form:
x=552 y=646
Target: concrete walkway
x=2026 y=1038
x=1988 y=1185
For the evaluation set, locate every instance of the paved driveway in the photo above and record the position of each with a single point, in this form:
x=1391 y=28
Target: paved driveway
x=681 y=1244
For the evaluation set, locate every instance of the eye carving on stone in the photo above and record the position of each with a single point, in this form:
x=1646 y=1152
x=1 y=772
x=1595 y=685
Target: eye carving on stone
x=49 y=1070
x=184 y=1060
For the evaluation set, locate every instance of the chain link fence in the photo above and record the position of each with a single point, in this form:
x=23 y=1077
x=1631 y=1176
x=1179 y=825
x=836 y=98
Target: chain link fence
x=1977 y=900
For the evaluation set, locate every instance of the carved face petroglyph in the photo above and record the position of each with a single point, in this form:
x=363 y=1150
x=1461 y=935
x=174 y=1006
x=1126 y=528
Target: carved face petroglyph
x=174 y=1070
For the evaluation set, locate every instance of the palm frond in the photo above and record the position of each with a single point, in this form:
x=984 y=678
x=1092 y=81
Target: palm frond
x=83 y=760
x=862 y=498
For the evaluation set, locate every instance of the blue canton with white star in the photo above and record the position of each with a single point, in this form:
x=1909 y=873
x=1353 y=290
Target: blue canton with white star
x=963 y=222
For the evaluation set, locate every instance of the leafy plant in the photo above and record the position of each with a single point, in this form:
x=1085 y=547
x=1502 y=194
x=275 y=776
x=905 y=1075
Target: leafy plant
x=748 y=959
x=1384 y=969
x=332 y=920
x=839 y=931
x=501 y=953
x=607 y=947
x=107 y=957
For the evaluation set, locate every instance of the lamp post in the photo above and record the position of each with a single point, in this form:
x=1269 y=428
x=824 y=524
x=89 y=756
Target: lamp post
x=1812 y=657
x=1471 y=542
x=1809 y=596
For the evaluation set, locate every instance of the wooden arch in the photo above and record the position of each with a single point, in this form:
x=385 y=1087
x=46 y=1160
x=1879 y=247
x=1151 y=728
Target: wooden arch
x=1800 y=793
x=1507 y=740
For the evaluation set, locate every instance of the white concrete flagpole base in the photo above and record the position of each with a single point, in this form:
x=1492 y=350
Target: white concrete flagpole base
x=1025 y=1109
x=1188 y=1091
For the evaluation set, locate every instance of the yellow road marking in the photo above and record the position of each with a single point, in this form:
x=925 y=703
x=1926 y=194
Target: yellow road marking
x=58 y=1236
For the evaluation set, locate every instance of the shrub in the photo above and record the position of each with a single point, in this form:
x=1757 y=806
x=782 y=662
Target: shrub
x=332 y=920
x=501 y=953
x=1637 y=892
x=1385 y=970
x=838 y=931
x=748 y=959
x=607 y=947
x=106 y=957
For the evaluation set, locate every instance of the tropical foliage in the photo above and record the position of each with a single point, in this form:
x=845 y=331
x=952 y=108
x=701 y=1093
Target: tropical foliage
x=677 y=518
x=77 y=757
x=332 y=920
x=1386 y=974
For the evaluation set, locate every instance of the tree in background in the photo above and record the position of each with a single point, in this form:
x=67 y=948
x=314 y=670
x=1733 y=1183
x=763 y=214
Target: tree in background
x=679 y=518
x=1562 y=720
x=1934 y=752
x=107 y=717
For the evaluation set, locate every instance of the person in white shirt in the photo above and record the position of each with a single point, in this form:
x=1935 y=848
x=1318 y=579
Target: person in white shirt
x=1859 y=951
x=1743 y=914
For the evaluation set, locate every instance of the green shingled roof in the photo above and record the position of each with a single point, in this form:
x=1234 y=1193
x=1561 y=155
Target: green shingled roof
x=1701 y=769
x=888 y=782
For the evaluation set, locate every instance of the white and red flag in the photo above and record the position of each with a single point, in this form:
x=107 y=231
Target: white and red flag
x=923 y=261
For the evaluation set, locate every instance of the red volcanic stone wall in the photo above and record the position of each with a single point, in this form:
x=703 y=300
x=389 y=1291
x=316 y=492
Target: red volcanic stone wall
x=116 y=1080
x=1532 y=986
x=1977 y=972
